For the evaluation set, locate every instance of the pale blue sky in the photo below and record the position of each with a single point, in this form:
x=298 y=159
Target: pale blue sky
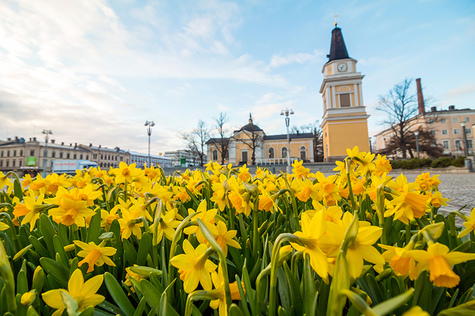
x=95 y=71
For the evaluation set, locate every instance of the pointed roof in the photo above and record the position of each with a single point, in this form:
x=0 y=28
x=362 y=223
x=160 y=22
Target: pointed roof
x=338 y=47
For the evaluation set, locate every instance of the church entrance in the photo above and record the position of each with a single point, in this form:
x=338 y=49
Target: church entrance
x=244 y=156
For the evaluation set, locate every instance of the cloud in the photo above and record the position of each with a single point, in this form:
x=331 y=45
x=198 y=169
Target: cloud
x=462 y=90
x=301 y=58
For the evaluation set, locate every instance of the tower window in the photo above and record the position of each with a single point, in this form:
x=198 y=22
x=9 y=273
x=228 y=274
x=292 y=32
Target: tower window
x=215 y=154
x=344 y=100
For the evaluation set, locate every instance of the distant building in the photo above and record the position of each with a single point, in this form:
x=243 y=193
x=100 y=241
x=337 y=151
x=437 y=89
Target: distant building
x=344 y=122
x=184 y=158
x=269 y=149
x=445 y=125
x=142 y=160
x=24 y=156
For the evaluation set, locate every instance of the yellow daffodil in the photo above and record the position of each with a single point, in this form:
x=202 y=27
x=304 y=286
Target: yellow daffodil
x=426 y=182
x=194 y=267
x=416 y=311
x=304 y=189
x=469 y=225
x=244 y=174
x=400 y=259
x=436 y=199
x=130 y=225
x=126 y=173
x=407 y=204
x=95 y=254
x=438 y=260
x=167 y=225
x=207 y=216
x=108 y=217
x=225 y=238
x=312 y=239
x=71 y=211
x=383 y=166
x=31 y=209
x=84 y=293
x=218 y=292
x=299 y=170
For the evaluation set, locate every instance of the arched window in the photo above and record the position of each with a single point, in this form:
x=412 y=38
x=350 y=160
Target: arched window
x=284 y=152
x=303 y=153
x=271 y=153
x=215 y=154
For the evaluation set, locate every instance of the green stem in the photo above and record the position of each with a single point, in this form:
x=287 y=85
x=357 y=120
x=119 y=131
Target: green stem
x=13 y=230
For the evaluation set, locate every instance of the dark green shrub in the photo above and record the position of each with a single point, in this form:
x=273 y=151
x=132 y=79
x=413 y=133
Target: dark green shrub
x=396 y=164
x=459 y=162
x=442 y=162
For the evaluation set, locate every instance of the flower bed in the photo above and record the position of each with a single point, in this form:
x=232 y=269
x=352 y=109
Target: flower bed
x=135 y=242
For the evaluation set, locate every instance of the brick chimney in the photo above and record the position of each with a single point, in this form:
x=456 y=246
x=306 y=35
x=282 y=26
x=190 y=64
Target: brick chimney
x=62 y=143
x=52 y=141
x=34 y=139
x=420 y=98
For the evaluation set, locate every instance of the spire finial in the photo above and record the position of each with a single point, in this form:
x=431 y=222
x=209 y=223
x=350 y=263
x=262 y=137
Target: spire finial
x=250 y=118
x=335 y=18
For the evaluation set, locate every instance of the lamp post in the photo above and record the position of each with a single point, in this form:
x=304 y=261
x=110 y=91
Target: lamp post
x=417 y=142
x=287 y=112
x=150 y=124
x=465 y=147
x=47 y=132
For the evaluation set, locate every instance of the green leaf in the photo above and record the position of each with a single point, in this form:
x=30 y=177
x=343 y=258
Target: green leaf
x=118 y=294
x=69 y=302
x=31 y=311
x=144 y=249
x=94 y=229
x=56 y=270
x=39 y=247
x=461 y=310
x=309 y=289
x=59 y=248
x=22 y=281
x=47 y=231
x=88 y=311
x=151 y=294
x=234 y=310
x=392 y=304
x=145 y=271
x=130 y=252
x=163 y=305
x=141 y=307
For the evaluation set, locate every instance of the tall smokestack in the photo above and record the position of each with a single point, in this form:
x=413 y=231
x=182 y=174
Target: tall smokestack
x=420 y=98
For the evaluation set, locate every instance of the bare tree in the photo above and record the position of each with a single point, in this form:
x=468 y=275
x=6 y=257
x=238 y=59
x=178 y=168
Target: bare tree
x=316 y=130
x=400 y=106
x=426 y=140
x=254 y=139
x=196 y=141
x=221 y=143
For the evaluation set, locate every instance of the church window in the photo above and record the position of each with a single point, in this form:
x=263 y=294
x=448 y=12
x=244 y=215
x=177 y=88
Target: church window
x=303 y=153
x=344 y=100
x=271 y=153
x=284 y=152
x=215 y=154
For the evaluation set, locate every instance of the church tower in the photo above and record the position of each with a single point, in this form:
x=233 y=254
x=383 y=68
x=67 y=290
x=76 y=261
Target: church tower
x=344 y=123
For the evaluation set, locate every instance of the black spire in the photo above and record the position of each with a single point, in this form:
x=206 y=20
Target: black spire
x=338 y=47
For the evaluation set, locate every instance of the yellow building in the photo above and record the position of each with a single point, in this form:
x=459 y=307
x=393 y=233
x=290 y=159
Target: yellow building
x=267 y=149
x=344 y=122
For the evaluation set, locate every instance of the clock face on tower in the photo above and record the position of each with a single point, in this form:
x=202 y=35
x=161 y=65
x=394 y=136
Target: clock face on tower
x=342 y=67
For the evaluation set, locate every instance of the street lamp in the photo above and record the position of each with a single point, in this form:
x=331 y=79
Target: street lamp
x=464 y=139
x=417 y=142
x=47 y=132
x=287 y=112
x=150 y=124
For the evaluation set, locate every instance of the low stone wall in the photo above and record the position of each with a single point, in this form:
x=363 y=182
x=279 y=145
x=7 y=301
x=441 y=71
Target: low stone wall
x=448 y=170
x=323 y=167
x=327 y=168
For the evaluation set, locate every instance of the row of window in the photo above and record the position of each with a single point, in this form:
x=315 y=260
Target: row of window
x=271 y=153
x=457 y=143
x=456 y=131
x=454 y=120
x=8 y=153
x=7 y=163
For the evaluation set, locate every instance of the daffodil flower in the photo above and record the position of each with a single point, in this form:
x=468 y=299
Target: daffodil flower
x=95 y=254
x=218 y=292
x=469 y=225
x=438 y=260
x=194 y=267
x=84 y=293
x=31 y=209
